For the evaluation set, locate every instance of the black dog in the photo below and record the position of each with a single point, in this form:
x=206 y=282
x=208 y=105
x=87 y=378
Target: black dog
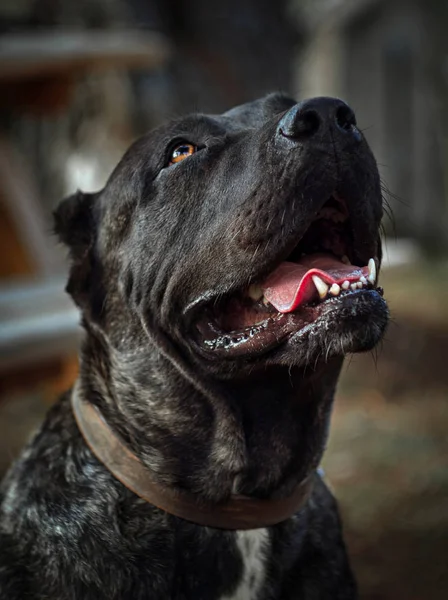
x=223 y=273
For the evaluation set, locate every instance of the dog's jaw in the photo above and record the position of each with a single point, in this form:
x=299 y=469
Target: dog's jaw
x=260 y=435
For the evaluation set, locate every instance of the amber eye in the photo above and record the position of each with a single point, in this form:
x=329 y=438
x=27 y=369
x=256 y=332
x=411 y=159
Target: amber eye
x=182 y=151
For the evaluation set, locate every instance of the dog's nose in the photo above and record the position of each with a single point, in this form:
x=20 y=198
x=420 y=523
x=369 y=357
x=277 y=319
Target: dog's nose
x=318 y=115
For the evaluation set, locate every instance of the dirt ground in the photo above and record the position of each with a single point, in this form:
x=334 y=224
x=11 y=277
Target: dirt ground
x=387 y=458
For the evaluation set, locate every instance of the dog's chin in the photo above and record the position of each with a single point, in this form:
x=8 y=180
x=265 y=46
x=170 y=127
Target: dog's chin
x=354 y=321
x=350 y=324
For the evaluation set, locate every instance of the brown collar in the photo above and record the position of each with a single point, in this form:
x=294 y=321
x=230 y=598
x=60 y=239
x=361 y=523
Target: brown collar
x=239 y=512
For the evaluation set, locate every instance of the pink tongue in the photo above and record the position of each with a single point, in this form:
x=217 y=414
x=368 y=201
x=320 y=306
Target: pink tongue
x=291 y=284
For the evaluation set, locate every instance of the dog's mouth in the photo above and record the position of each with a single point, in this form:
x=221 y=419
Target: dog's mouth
x=323 y=269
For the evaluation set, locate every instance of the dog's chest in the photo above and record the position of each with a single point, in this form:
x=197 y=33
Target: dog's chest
x=253 y=546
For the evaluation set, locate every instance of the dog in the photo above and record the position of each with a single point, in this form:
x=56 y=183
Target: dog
x=223 y=273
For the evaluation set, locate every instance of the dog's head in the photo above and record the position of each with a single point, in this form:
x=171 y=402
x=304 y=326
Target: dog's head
x=236 y=241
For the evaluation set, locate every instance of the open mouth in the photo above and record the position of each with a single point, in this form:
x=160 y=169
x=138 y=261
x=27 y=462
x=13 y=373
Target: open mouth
x=322 y=270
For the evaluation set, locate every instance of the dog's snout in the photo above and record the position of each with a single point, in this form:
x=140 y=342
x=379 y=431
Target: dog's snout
x=318 y=116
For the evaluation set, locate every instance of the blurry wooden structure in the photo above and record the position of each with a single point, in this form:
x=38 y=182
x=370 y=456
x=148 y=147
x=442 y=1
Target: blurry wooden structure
x=39 y=331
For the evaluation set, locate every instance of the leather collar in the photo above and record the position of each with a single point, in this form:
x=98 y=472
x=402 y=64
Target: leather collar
x=239 y=512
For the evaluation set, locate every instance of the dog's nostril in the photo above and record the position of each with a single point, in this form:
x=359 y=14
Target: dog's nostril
x=300 y=124
x=308 y=123
x=345 y=118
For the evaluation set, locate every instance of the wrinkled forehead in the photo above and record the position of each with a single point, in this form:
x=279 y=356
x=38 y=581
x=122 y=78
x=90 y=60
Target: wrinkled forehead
x=249 y=115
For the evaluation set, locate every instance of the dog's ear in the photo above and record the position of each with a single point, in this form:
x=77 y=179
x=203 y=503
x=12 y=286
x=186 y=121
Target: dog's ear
x=74 y=223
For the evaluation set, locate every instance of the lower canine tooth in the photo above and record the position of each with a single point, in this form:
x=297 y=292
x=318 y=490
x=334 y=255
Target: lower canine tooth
x=321 y=286
x=255 y=292
x=372 y=271
x=335 y=289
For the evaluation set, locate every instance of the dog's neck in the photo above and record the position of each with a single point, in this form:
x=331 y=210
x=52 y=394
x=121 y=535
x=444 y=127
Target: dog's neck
x=258 y=436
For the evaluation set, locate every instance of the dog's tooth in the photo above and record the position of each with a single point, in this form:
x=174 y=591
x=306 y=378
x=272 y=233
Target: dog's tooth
x=354 y=286
x=345 y=259
x=335 y=289
x=359 y=285
x=363 y=280
x=321 y=286
x=255 y=292
x=345 y=285
x=372 y=271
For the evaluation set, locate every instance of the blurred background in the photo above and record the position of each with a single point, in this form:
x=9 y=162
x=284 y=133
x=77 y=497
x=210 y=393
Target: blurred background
x=79 y=80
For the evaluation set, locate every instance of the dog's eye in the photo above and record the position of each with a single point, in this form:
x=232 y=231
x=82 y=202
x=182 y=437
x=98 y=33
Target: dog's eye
x=181 y=152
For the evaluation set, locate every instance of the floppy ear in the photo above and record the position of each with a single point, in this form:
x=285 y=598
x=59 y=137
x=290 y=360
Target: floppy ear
x=74 y=224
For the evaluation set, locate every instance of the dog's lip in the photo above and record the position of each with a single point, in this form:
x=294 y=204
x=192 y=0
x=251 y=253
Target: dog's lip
x=259 y=325
x=273 y=331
